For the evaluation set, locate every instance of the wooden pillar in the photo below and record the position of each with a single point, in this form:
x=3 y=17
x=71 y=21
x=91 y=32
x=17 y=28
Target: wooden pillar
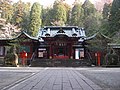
x=69 y=49
x=50 y=52
x=57 y=48
x=98 y=55
x=71 y=54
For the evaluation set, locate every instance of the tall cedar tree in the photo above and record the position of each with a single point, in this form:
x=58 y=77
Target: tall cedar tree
x=67 y=9
x=18 y=13
x=77 y=15
x=7 y=9
x=59 y=13
x=26 y=17
x=91 y=18
x=88 y=8
x=106 y=11
x=35 y=19
x=114 y=20
x=105 y=15
x=46 y=16
x=21 y=14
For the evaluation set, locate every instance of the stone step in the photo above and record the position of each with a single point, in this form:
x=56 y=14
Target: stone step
x=67 y=63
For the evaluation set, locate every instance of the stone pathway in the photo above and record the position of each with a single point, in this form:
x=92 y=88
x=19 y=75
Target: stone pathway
x=57 y=79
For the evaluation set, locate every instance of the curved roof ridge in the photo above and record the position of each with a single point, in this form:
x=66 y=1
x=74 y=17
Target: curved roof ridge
x=91 y=37
x=23 y=32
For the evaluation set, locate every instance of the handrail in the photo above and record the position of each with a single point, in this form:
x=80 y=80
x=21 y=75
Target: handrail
x=32 y=57
x=89 y=56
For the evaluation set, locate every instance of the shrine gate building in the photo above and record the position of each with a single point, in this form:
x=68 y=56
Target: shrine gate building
x=61 y=42
x=54 y=43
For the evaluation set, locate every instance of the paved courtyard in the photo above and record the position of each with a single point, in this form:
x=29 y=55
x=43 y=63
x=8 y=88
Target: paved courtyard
x=61 y=78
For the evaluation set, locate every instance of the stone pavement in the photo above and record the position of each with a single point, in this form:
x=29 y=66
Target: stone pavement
x=56 y=79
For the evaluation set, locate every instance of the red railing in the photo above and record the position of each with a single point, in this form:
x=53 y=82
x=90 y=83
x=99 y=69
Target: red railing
x=61 y=57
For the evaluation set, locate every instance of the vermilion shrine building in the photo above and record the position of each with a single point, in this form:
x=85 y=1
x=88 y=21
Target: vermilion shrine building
x=61 y=43
x=53 y=43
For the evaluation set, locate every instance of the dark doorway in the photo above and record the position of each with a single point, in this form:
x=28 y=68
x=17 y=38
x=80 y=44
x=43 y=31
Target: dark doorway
x=61 y=51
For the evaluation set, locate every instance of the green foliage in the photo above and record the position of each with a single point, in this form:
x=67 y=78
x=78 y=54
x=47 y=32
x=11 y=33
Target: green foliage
x=21 y=14
x=10 y=57
x=88 y=8
x=7 y=9
x=91 y=25
x=59 y=13
x=68 y=11
x=46 y=16
x=18 y=13
x=26 y=17
x=114 y=20
x=35 y=19
x=105 y=26
x=83 y=15
x=99 y=43
x=105 y=23
x=106 y=11
x=77 y=15
x=112 y=59
x=92 y=18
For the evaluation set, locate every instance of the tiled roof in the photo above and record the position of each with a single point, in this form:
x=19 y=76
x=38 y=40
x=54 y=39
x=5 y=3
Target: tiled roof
x=70 y=31
x=52 y=31
x=22 y=33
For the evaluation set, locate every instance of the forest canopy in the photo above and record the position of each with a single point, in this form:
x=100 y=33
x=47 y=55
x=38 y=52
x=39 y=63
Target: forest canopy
x=30 y=17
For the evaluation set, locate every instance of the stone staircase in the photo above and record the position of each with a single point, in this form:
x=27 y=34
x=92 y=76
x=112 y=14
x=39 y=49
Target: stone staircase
x=59 y=63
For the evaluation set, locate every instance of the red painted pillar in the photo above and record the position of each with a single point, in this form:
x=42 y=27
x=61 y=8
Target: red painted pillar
x=98 y=57
x=50 y=52
x=24 y=57
x=71 y=55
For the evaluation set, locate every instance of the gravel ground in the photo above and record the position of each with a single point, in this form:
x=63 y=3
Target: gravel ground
x=107 y=78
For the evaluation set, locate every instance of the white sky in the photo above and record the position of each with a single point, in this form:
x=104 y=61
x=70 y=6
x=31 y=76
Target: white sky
x=50 y=2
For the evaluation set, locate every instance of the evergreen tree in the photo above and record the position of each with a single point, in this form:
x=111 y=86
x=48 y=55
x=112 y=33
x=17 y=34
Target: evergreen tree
x=114 y=19
x=77 y=15
x=105 y=14
x=21 y=14
x=68 y=11
x=26 y=17
x=7 y=9
x=92 y=24
x=17 y=18
x=88 y=8
x=106 y=11
x=35 y=19
x=92 y=18
x=59 y=13
x=47 y=17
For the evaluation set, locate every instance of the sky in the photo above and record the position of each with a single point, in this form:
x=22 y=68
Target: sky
x=46 y=3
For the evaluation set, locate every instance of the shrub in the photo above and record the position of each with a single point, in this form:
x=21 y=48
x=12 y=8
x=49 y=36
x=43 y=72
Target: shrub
x=112 y=59
x=10 y=59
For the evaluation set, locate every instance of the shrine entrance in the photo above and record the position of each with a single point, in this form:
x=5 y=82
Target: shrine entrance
x=61 y=50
